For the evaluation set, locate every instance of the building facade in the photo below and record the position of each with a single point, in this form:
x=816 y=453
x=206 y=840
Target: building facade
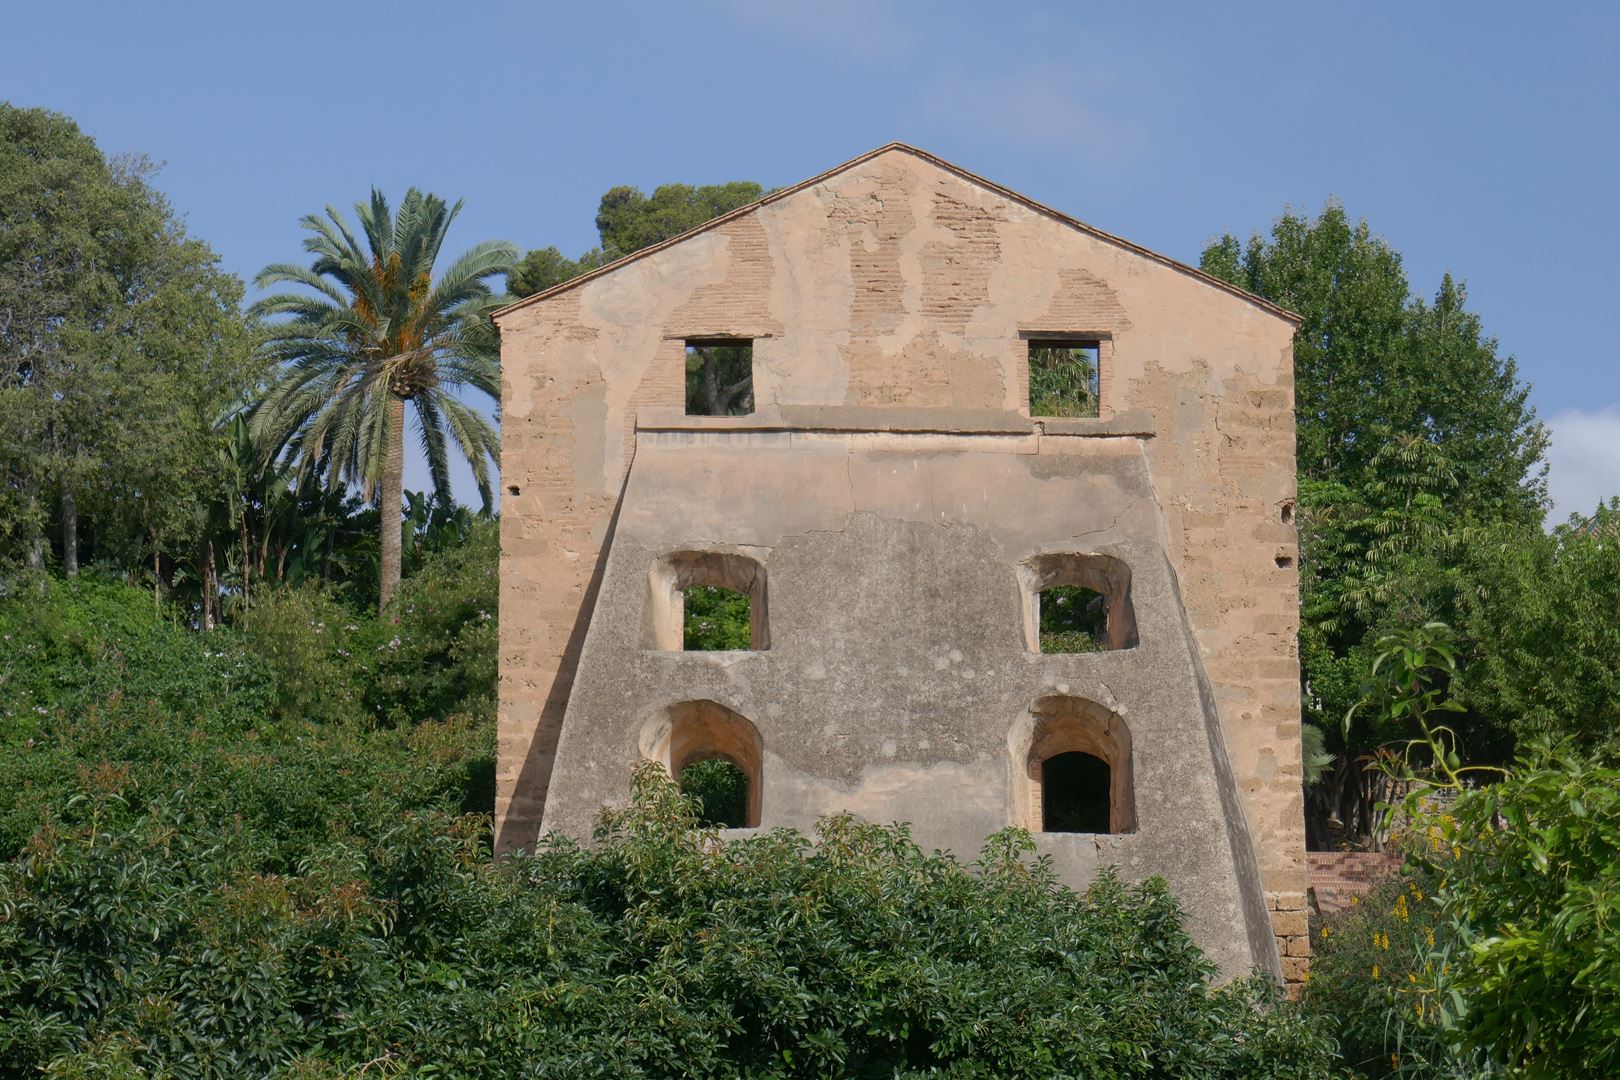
x=1008 y=501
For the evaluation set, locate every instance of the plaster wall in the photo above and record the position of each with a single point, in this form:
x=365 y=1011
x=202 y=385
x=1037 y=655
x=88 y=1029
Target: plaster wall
x=898 y=293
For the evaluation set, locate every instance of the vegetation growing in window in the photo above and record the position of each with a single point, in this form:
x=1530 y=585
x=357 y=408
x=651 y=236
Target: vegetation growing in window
x=719 y=792
x=1063 y=378
x=719 y=378
x=716 y=619
x=1074 y=619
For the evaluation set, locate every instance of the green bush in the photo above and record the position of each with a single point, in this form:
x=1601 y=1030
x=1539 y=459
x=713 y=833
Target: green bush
x=716 y=618
x=83 y=639
x=1531 y=885
x=307 y=639
x=1376 y=975
x=434 y=654
x=156 y=934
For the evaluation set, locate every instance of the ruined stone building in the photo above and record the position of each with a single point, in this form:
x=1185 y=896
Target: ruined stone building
x=1009 y=501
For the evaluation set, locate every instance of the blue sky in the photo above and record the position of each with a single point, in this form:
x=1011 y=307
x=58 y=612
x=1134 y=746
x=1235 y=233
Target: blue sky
x=1483 y=139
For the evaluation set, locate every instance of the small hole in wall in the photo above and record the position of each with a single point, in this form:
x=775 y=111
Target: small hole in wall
x=1287 y=512
x=512 y=489
x=1284 y=561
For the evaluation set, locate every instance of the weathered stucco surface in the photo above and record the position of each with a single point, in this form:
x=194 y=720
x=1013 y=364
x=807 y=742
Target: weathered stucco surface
x=892 y=485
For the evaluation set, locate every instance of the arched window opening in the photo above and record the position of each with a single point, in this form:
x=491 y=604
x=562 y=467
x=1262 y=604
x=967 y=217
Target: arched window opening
x=720 y=789
x=714 y=753
x=1075 y=603
x=1071 y=768
x=707 y=601
x=1074 y=793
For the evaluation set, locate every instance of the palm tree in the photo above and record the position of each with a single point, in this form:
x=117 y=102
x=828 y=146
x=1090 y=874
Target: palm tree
x=378 y=334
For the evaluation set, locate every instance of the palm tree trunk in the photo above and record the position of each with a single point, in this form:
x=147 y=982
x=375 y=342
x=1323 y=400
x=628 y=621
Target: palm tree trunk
x=390 y=498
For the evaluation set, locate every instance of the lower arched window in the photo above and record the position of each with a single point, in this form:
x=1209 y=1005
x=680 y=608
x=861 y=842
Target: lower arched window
x=1071 y=768
x=715 y=754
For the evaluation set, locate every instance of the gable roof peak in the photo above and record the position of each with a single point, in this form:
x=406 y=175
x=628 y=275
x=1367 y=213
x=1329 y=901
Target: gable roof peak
x=940 y=163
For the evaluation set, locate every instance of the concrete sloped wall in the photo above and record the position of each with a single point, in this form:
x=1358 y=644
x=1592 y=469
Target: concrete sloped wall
x=898 y=663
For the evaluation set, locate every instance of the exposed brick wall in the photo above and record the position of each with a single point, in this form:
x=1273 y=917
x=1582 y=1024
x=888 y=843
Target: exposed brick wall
x=1336 y=876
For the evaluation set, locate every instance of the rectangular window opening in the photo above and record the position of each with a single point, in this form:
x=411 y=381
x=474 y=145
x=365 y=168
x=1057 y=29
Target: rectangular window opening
x=720 y=378
x=1064 y=377
x=716 y=619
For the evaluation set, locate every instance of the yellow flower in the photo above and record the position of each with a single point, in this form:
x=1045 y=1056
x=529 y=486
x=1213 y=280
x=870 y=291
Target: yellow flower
x=1428 y=936
x=1327 y=932
x=1375 y=971
x=1456 y=853
x=1411 y=977
x=1354 y=900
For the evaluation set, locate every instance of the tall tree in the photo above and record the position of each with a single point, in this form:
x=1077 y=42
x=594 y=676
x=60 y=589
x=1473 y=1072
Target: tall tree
x=372 y=334
x=1412 y=432
x=120 y=340
x=628 y=220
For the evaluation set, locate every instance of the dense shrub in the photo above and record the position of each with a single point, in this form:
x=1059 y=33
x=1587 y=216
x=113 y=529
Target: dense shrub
x=1378 y=969
x=259 y=852
x=1498 y=952
x=1531 y=885
x=81 y=639
x=158 y=934
x=307 y=639
x=434 y=654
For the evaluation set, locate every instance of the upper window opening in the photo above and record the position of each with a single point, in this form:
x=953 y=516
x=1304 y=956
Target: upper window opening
x=1073 y=619
x=707 y=601
x=716 y=619
x=719 y=378
x=1075 y=789
x=1077 y=603
x=720 y=788
x=1064 y=377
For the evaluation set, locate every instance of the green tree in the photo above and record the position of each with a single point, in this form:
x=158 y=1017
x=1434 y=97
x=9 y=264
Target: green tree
x=542 y=268
x=120 y=341
x=1413 y=432
x=628 y=220
x=1542 y=626
x=372 y=334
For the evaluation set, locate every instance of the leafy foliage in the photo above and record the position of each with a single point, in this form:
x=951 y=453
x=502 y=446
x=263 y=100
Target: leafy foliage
x=719 y=379
x=120 y=342
x=1531 y=885
x=628 y=220
x=152 y=932
x=716 y=618
x=1542 y=626
x=1073 y=619
x=1381 y=974
x=719 y=793
x=1413 y=435
x=1063 y=380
